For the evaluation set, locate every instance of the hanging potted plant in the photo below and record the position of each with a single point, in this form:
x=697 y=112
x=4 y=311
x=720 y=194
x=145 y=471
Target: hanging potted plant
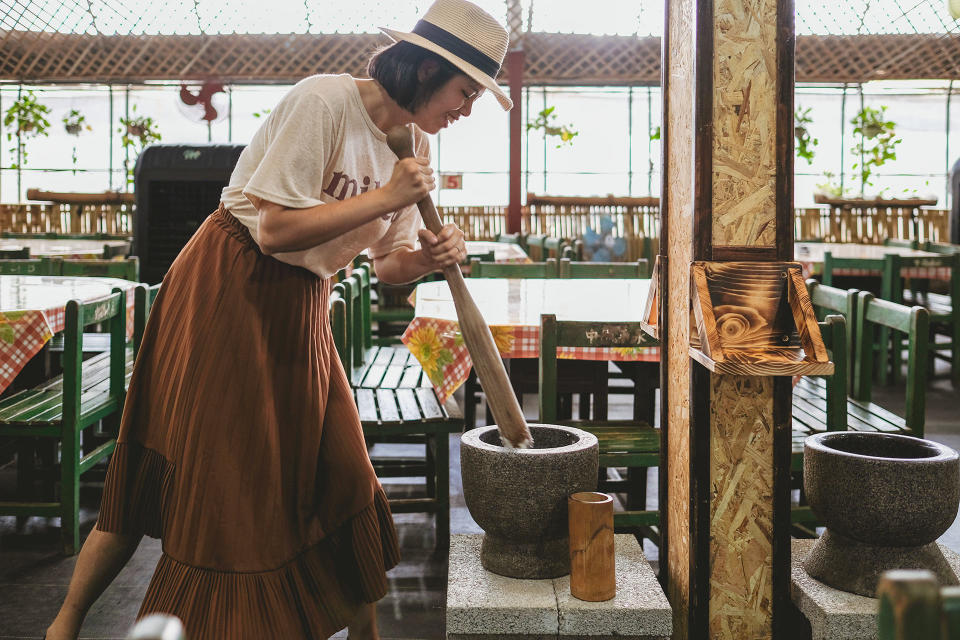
x=544 y=120
x=74 y=123
x=136 y=133
x=26 y=118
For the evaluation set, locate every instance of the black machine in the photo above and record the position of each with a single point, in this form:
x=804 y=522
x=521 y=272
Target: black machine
x=177 y=187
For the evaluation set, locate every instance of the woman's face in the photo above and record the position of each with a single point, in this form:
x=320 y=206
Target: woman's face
x=452 y=101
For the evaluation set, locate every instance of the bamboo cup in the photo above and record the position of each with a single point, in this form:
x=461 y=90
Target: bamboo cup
x=592 y=564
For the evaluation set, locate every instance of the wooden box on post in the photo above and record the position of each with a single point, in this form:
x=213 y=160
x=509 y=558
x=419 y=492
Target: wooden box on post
x=755 y=318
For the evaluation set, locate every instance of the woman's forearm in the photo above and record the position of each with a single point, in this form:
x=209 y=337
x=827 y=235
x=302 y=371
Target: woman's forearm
x=281 y=229
x=403 y=266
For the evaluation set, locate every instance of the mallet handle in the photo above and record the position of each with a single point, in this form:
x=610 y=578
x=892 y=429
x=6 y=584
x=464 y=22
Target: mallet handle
x=476 y=334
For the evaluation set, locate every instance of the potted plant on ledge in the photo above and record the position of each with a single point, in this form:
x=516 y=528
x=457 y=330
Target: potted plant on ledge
x=877 y=142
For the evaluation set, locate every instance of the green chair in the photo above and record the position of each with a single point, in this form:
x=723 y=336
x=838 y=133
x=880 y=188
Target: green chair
x=941 y=247
x=819 y=404
x=554 y=247
x=630 y=444
x=31 y=267
x=111 y=251
x=575 y=269
x=396 y=402
x=20 y=253
x=944 y=308
x=511 y=238
x=62 y=409
x=143 y=297
x=914 y=323
x=827 y=299
x=545 y=269
x=128 y=269
x=338 y=325
x=534 y=246
x=900 y=242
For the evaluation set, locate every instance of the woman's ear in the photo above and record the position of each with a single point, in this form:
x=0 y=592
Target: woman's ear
x=427 y=68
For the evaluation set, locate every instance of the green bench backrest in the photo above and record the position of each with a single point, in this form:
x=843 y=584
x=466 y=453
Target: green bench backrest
x=570 y=333
x=32 y=267
x=143 y=297
x=339 y=325
x=843 y=301
x=834 y=332
x=546 y=269
x=575 y=269
x=873 y=313
x=112 y=310
x=127 y=269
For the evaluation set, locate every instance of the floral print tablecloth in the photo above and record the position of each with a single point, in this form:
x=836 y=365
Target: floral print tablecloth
x=512 y=309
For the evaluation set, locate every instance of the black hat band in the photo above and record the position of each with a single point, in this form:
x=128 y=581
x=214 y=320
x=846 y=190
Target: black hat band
x=461 y=49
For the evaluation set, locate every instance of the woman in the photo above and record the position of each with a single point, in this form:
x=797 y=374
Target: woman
x=240 y=446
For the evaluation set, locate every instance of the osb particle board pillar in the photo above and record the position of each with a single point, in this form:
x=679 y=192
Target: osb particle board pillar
x=727 y=196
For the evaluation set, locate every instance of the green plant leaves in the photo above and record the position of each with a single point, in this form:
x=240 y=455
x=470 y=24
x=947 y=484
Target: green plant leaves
x=544 y=120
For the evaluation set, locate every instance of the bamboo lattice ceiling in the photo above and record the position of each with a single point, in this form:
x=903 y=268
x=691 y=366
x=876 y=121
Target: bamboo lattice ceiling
x=131 y=41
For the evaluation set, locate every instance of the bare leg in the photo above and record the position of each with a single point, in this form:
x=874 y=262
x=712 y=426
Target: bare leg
x=102 y=557
x=364 y=626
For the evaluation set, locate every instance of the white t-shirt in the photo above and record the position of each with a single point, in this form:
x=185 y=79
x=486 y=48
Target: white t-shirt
x=319 y=145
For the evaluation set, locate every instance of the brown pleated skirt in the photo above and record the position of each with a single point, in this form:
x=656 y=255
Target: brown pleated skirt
x=241 y=448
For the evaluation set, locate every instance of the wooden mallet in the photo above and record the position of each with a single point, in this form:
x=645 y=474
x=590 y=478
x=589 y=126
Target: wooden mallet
x=476 y=334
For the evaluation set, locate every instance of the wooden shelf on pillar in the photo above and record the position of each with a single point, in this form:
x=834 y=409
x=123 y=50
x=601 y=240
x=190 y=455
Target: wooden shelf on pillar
x=649 y=323
x=754 y=318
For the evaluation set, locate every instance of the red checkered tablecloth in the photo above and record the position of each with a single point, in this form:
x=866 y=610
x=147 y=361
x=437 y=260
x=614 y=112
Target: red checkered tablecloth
x=24 y=331
x=513 y=313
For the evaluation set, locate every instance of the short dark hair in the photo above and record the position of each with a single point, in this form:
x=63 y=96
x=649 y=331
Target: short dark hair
x=396 y=67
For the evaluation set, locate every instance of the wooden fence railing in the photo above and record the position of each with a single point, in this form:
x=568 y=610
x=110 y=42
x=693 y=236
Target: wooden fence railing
x=636 y=220
x=871 y=224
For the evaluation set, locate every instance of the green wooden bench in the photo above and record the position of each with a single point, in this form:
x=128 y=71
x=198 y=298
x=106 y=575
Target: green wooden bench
x=944 y=308
x=20 y=253
x=31 y=267
x=396 y=402
x=545 y=269
x=126 y=269
x=632 y=444
x=823 y=404
x=914 y=323
x=913 y=606
x=143 y=298
x=63 y=408
x=575 y=269
x=533 y=244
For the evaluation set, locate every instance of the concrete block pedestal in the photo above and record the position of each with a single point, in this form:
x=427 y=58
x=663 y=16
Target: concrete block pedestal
x=835 y=614
x=485 y=606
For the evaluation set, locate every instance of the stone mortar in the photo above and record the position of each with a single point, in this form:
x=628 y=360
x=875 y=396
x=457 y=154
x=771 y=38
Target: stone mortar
x=884 y=498
x=519 y=496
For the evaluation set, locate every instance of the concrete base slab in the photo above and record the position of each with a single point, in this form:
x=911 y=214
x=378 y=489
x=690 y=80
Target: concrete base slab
x=484 y=606
x=834 y=614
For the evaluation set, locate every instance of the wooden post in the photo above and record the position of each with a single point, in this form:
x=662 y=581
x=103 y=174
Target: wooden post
x=727 y=79
x=515 y=60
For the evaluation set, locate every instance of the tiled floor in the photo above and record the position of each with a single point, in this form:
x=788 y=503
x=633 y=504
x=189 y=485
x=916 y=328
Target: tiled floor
x=33 y=577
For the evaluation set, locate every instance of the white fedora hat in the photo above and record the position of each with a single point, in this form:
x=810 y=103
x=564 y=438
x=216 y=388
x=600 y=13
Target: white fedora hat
x=467 y=36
